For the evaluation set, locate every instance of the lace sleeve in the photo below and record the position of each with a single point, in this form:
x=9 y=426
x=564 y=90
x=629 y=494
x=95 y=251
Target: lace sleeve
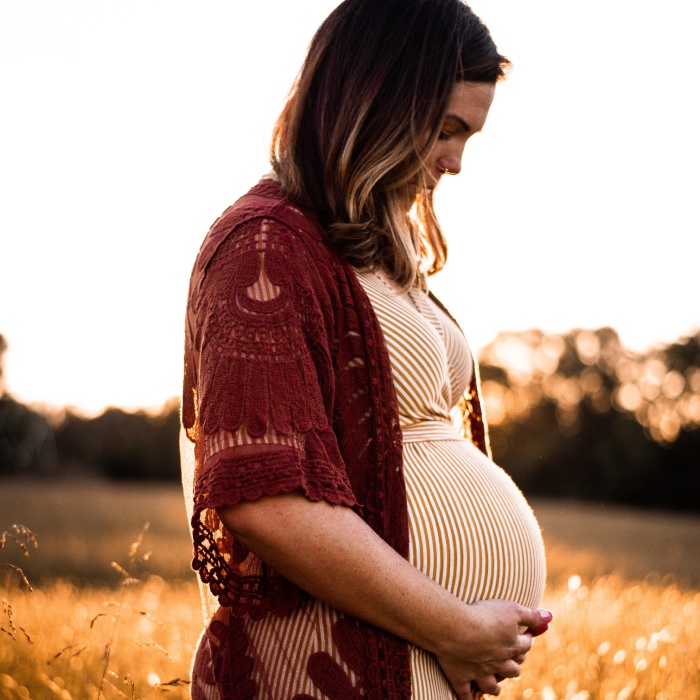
x=262 y=292
x=259 y=374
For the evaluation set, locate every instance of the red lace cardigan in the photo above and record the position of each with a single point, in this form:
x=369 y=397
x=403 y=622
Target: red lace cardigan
x=309 y=364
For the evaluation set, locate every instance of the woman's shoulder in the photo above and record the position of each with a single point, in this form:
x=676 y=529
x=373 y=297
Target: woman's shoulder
x=265 y=217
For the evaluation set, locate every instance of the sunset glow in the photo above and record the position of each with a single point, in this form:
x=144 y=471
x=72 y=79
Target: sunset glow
x=128 y=127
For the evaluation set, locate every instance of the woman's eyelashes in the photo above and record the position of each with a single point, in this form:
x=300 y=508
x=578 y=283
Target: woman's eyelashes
x=451 y=130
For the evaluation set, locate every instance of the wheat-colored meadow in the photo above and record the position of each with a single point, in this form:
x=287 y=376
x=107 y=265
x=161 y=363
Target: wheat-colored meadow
x=624 y=587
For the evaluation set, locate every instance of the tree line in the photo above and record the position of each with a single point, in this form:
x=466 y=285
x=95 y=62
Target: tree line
x=574 y=415
x=579 y=416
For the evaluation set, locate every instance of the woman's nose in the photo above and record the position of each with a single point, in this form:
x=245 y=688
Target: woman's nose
x=450 y=165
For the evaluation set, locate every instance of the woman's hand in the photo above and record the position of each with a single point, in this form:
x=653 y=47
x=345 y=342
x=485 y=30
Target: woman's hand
x=477 y=667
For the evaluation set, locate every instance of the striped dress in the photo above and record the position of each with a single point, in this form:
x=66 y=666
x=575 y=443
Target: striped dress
x=470 y=528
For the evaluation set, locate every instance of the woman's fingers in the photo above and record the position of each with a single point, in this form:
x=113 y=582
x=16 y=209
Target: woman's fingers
x=488 y=685
x=537 y=620
x=523 y=645
x=540 y=629
x=508 y=669
x=469 y=692
x=476 y=692
x=534 y=619
x=500 y=649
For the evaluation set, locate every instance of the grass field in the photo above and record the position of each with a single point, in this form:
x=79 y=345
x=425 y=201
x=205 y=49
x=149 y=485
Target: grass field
x=624 y=586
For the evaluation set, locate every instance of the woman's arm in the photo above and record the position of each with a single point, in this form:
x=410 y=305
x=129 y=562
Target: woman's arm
x=331 y=553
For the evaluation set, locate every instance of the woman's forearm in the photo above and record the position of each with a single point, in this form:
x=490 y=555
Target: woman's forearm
x=330 y=552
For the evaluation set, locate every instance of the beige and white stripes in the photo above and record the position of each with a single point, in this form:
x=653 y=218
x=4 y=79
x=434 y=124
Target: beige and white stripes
x=471 y=529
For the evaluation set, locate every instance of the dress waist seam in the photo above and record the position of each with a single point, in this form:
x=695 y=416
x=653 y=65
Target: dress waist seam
x=430 y=431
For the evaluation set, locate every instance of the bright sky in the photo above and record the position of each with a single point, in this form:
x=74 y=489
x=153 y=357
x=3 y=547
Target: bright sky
x=127 y=126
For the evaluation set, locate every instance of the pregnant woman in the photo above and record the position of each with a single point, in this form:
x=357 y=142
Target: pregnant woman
x=350 y=540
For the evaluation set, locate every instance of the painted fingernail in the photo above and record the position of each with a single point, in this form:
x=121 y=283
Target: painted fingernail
x=540 y=629
x=548 y=615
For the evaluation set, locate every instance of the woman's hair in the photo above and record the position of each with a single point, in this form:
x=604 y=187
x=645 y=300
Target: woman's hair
x=364 y=113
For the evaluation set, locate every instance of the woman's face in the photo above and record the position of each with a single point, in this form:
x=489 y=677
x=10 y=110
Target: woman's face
x=466 y=114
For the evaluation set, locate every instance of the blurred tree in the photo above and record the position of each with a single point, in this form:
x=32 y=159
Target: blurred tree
x=3 y=350
x=26 y=439
x=580 y=416
x=122 y=445
x=574 y=415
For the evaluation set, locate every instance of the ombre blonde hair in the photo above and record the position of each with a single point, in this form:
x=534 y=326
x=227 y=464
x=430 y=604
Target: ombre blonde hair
x=364 y=113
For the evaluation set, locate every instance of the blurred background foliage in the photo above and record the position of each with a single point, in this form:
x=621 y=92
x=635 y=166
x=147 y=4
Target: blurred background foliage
x=575 y=415
x=580 y=416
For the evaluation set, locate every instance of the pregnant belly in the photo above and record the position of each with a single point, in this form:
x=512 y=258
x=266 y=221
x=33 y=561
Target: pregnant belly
x=470 y=527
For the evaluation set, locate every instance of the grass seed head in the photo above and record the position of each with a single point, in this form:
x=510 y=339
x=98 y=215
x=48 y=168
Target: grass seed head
x=94 y=619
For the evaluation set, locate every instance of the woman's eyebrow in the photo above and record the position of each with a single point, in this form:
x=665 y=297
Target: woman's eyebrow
x=459 y=120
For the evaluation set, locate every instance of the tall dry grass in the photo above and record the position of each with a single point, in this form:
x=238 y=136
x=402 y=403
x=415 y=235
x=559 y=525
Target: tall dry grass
x=92 y=642
x=614 y=637
x=95 y=642
x=611 y=640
